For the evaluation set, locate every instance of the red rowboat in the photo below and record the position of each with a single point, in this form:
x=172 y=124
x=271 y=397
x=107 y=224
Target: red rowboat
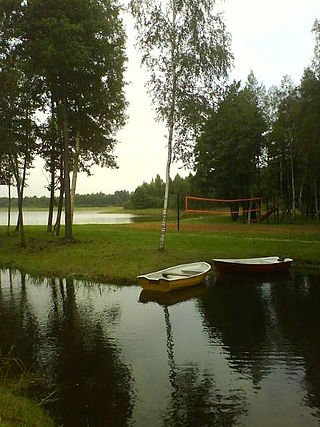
x=252 y=265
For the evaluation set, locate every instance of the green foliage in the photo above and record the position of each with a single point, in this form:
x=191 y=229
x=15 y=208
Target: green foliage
x=66 y=57
x=78 y=46
x=119 y=198
x=186 y=48
x=229 y=151
x=81 y=200
x=151 y=195
x=292 y=172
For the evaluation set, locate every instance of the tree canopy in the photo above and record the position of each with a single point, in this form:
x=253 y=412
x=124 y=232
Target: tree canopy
x=186 y=49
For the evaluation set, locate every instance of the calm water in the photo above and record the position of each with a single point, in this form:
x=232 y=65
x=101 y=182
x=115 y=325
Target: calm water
x=80 y=217
x=244 y=353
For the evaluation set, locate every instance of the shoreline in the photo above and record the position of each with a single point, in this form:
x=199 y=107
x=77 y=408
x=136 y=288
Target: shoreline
x=116 y=254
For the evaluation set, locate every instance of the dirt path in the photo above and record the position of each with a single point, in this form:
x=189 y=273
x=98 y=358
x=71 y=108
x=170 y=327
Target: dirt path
x=232 y=228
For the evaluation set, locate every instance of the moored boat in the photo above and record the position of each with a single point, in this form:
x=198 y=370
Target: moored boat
x=174 y=278
x=252 y=265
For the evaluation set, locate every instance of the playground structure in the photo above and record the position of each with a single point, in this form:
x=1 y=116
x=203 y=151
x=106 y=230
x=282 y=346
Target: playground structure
x=248 y=209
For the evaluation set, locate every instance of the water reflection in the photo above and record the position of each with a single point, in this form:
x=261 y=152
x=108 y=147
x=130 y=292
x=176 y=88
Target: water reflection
x=297 y=311
x=230 y=352
x=63 y=338
x=171 y=298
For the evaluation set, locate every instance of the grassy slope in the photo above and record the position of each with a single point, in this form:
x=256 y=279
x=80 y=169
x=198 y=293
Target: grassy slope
x=119 y=253
x=16 y=410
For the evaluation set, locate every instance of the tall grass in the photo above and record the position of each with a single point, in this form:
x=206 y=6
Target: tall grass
x=16 y=409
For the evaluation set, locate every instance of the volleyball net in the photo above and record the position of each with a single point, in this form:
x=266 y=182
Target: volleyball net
x=252 y=205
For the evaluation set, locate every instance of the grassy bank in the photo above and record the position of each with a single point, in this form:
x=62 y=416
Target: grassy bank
x=17 y=410
x=117 y=253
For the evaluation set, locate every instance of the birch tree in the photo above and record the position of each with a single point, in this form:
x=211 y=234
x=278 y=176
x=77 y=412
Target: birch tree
x=186 y=49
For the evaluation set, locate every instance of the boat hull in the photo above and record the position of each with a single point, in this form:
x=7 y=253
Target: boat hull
x=265 y=265
x=175 y=278
x=163 y=285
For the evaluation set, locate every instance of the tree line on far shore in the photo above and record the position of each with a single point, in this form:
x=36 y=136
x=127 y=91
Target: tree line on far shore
x=146 y=195
x=118 y=198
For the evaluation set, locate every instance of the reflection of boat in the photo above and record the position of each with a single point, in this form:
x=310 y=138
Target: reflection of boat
x=243 y=280
x=174 y=278
x=252 y=265
x=170 y=298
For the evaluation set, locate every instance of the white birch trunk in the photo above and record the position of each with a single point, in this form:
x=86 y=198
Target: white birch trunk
x=170 y=138
x=293 y=189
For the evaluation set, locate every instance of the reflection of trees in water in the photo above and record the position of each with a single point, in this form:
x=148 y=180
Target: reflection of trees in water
x=298 y=313
x=195 y=398
x=19 y=329
x=93 y=384
x=263 y=326
x=237 y=317
x=71 y=345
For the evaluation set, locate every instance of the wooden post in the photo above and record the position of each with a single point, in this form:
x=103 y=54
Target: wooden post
x=178 y=211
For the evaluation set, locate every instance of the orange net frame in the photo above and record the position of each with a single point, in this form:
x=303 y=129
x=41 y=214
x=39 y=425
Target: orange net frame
x=240 y=202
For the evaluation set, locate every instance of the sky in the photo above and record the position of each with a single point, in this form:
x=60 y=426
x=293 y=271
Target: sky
x=272 y=38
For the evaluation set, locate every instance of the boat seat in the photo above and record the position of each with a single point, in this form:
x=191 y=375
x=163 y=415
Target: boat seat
x=191 y=271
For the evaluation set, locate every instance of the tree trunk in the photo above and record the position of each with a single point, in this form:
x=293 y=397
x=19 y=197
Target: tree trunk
x=52 y=171
x=301 y=204
x=20 y=186
x=18 y=223
x=316 y=201
x=170 y=138
x=66 y=167
x=166 y=193
x=75 y=173
x=60 y=202
x=293 y=188
x=51 y=202
x=249 y=211
x=20 y=203
x=281 y=179
x=9 y=207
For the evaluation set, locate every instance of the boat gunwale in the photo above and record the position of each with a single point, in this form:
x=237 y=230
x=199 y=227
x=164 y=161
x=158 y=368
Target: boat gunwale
x=246 y=261
x=176 y=278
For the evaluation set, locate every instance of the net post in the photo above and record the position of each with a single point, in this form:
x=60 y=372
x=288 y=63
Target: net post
x=178 y=211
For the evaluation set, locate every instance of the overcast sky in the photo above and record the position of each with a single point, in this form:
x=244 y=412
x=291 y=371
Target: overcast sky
x=273 y=38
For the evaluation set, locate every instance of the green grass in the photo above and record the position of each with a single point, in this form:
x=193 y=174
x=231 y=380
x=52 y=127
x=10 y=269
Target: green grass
x=16 y=409
x=118 y=253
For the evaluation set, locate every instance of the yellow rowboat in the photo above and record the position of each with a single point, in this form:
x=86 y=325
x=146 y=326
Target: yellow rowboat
x=174 y=278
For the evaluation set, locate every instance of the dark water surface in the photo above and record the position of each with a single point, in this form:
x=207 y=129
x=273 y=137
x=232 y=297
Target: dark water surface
x=234 y=352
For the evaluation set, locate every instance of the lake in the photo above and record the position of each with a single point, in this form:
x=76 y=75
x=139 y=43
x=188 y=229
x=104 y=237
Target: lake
x=80 y=217
x=241 y=352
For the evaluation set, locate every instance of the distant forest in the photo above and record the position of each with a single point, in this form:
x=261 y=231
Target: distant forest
x=81 y=200
x=147 y=195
